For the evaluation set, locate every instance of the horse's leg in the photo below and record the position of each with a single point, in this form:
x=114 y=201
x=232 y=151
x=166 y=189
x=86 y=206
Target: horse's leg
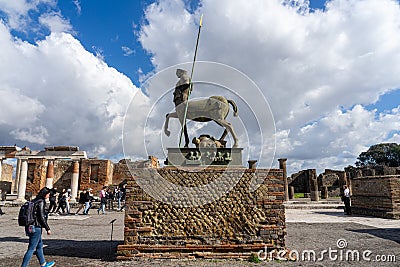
x=183 y=127
x=229 y=128
x=186 y=136
x=167 y=117
x=222 y=138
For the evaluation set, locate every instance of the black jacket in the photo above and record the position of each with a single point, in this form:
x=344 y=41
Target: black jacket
x=82 y=198
x=40 y=214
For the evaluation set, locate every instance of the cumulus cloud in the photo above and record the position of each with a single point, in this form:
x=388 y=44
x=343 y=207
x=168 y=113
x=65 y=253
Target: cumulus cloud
x=54 y=92
x=318 y=69
x=17 y=12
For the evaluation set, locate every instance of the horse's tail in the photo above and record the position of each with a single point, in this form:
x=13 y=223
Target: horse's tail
x=235 y=109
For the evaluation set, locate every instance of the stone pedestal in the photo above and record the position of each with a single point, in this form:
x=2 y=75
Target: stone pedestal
x=205 y=157
x=236 y=224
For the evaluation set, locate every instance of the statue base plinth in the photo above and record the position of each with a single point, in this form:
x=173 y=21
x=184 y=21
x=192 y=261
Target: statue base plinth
x=204 y=157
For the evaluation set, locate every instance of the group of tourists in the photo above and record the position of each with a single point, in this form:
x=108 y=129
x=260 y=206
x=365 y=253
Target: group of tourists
x=60 y=201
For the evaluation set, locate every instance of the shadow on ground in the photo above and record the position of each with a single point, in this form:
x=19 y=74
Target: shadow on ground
x=91 y=249
x=387 y=233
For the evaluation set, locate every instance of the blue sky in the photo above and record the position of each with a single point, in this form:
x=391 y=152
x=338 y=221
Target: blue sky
x=105 y=26
x=330 y=74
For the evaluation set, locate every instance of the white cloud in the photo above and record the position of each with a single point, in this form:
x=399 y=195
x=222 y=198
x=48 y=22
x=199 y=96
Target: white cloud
x=17 y=11
x=316 y=68
x=55 y=22
x=66 y=95
x=77 y=3
x=127 y=51
x=37 y=134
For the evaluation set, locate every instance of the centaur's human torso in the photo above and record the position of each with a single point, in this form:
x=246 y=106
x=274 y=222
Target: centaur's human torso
x=182 y=87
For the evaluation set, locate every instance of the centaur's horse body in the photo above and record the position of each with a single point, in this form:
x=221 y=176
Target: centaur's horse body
x=214 y=108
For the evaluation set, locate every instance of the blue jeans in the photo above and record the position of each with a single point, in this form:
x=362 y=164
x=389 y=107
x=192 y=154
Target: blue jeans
x=119 y=203
x=88 y=205
x=35 y=244
x=102 y=208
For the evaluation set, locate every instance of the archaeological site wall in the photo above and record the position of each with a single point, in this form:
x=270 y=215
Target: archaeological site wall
x=6 y=173
x=375 y=191
x=95 y=173
x=236 y=224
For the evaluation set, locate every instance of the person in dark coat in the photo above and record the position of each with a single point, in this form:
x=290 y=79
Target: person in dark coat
x=34 y=231
x=53 y=200
x=82 y=201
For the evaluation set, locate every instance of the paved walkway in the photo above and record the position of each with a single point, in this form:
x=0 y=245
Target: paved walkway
x=85 y=240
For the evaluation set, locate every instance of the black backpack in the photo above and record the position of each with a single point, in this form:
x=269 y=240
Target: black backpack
x=26 y=214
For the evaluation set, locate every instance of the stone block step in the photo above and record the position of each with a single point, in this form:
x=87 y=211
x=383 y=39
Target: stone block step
x=313 y=206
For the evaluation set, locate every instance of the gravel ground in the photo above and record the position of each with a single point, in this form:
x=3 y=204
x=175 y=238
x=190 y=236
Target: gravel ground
x=85 y=241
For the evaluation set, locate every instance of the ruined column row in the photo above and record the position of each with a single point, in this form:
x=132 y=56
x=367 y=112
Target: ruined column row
x=22 y=178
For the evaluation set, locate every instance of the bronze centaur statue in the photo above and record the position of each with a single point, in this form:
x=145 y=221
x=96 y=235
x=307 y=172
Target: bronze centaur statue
x=214 y=108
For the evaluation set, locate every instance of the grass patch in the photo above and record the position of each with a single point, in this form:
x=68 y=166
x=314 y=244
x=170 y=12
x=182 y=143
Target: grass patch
x=298 y=195
x=254 y=258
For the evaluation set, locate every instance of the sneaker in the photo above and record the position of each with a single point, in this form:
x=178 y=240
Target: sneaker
x=49 y=264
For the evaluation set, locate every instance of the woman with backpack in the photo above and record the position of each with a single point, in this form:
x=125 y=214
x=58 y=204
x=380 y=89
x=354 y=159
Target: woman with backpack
x=34 y=231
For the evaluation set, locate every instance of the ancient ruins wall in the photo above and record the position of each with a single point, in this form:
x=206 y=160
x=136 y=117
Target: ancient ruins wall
x=103 y=174
x=300 y=182
x=377 y=196
x=62 y=174
x=238 y=223
x=6 y=173
x=36 y=179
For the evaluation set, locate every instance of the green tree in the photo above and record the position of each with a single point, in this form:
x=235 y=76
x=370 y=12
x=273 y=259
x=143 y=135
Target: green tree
x=381 y=154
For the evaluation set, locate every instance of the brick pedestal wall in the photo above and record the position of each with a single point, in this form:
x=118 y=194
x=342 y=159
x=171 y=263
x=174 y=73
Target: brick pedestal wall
x=235 y=225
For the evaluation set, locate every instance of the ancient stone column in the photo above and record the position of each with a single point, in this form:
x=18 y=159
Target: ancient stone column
x=22 y=180
x=74 y=182
x=1 y=168
x=50 y=174
x=324 y=192
x=282 y=166
x=291 y=192
x=252 y=164
x=312 y=178
x=17 y=174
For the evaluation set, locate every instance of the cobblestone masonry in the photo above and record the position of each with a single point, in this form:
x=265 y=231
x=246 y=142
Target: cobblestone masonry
x=235 y=225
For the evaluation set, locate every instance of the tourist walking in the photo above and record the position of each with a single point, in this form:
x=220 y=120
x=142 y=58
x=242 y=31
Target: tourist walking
x=81 y=201
x=110 y=198
x=35 y=231
x=346 y=200
x=103 y=200
x=67 y=199
x=62 y=202
x=88 y=201
x=53 y=200
x=122 y=196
